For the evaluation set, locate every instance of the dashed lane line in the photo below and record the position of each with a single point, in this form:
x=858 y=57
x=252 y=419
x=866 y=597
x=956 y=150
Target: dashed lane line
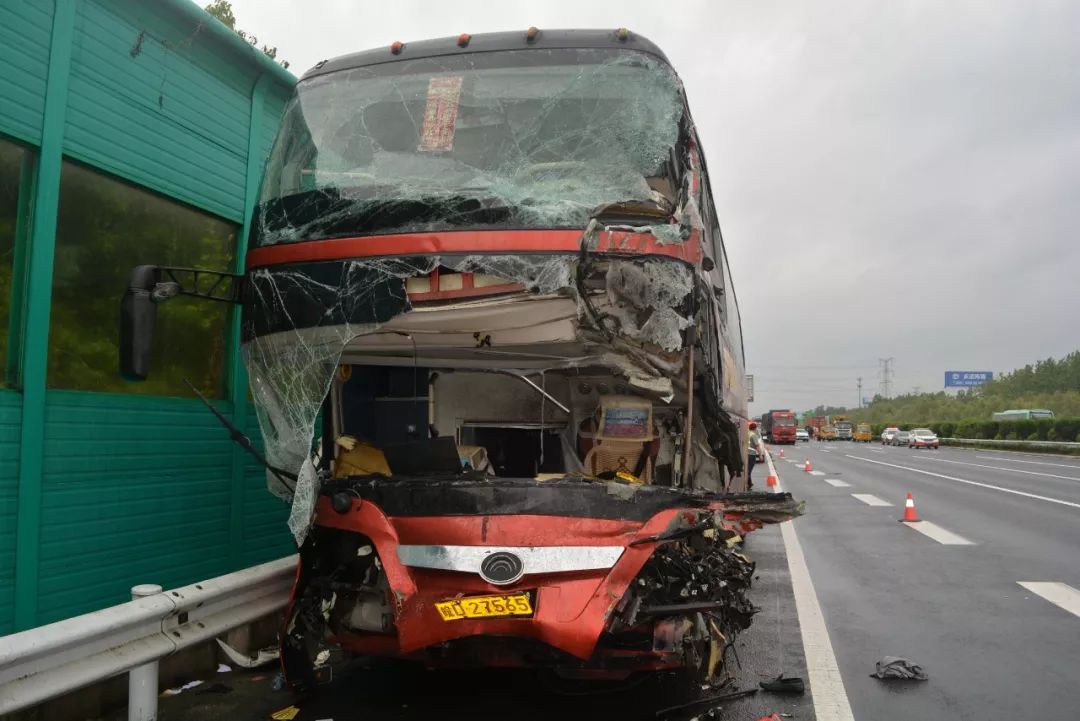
x=837 y=483
x=1060 y=594
x=817 y=473
x=1003 y=468
x=870 y=499
x=939 y=534
x=971 y=483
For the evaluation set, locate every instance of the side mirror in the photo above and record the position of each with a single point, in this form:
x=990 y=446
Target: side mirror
x=138 y=313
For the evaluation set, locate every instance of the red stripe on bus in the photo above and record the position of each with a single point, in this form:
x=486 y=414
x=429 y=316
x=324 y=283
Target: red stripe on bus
x=469 y=241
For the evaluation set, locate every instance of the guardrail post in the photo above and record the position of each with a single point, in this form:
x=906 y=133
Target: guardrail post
x=143 y=680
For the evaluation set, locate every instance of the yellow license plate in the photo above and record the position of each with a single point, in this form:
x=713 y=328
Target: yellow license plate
x=457 y=609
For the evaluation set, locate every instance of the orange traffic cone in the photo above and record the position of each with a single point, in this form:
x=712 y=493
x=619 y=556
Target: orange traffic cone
x=781 y=452
x=807 y=466
x=910 y=514
x=771 y=481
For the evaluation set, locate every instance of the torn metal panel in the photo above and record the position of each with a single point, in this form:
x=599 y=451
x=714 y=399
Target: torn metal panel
x=301 y=320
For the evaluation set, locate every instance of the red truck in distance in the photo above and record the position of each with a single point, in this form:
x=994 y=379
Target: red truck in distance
x=779 y=426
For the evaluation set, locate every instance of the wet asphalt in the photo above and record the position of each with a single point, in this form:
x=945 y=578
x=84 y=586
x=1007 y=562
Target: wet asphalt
x=992 y=649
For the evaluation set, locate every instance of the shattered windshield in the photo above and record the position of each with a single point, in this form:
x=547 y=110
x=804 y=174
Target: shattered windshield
x=515 y=139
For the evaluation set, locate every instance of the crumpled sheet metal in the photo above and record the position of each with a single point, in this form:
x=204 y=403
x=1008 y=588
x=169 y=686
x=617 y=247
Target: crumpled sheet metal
x=303 y=322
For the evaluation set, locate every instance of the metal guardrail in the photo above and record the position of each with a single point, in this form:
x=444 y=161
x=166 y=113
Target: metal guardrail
x=1006 y=444
x=48 y=661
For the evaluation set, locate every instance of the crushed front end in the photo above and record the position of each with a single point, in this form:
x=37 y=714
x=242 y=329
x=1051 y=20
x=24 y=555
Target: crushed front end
x=599 y=579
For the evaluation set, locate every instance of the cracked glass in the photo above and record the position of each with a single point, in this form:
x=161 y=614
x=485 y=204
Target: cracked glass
x=539 y=139
x=516 y=139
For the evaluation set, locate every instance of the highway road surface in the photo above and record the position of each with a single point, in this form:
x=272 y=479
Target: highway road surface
x=982 y=593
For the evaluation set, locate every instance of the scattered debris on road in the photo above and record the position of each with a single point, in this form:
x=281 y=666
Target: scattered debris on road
x=895 y=668
x=780 y=684
x=262 y=657
x=180 y=689
x=706 y=701
x=286 y=714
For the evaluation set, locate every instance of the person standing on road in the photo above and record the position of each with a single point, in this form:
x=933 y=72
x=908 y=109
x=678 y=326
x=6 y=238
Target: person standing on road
x=754 y=441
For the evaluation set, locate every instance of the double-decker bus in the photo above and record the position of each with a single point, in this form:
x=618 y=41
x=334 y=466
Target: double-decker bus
x=496 y=357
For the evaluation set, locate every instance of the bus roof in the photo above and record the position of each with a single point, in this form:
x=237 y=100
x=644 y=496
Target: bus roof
x=491 y=42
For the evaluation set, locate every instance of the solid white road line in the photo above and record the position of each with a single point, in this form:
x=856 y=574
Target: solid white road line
x=1059 y=594
x=870 y=499
x=971 y=483
x=1034 y=463
x=1003 y=468
x=826 y=686
x=817 y=473
x=837 y=483
x=939 y=534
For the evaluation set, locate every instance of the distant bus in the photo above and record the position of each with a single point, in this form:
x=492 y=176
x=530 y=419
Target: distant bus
x=1023 y=415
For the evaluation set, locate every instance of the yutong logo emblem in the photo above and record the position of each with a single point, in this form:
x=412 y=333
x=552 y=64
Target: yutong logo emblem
x=501 y=568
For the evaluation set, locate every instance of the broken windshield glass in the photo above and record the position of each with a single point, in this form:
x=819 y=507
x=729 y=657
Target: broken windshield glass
x=516 y=139
x=630 y=316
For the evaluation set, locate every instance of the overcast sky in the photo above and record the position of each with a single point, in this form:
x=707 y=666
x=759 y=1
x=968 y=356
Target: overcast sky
x=893 y=179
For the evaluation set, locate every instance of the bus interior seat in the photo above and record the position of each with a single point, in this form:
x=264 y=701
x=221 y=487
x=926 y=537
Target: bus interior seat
x=620 y=438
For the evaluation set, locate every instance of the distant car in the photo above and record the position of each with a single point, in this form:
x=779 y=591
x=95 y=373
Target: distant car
x=801 y=434
x=923 y=438
x=887 y=434
x=900 y=438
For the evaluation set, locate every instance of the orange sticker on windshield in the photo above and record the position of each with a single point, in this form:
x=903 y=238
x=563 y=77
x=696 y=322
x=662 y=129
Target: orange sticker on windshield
x=440 y=115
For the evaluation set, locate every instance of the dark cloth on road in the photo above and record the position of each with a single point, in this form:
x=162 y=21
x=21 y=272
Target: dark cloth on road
x=894 y=667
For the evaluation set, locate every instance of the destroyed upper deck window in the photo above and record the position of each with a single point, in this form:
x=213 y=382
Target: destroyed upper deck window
x=514 y=139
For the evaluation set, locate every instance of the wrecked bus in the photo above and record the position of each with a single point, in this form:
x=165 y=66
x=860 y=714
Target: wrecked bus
x=496 y=358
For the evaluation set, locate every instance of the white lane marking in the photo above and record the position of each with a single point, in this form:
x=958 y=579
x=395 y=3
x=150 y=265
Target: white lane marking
x=870 y=499
x=1059 y=594
x=817 y=473
x=972 y=483
x=772 y=472
x=826 y=685
x=837 y=483
x=939 y=534
x=1034 y=463
x=1003 y=468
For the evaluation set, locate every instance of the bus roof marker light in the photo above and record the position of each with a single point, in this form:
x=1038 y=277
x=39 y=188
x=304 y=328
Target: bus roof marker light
x=396 y=47
x=463 y=39
x=622 y=34
x=531 y=34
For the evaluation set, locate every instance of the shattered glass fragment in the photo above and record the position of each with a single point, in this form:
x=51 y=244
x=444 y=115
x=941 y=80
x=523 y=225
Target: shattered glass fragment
x=531 y=139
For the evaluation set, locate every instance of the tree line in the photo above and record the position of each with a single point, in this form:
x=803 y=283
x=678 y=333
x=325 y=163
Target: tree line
x=1052 y=383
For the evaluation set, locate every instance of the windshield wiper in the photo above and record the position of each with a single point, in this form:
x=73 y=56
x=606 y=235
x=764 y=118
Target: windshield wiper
x=330 y=213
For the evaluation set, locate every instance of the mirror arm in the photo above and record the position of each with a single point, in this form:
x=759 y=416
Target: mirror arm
x=171 y=281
